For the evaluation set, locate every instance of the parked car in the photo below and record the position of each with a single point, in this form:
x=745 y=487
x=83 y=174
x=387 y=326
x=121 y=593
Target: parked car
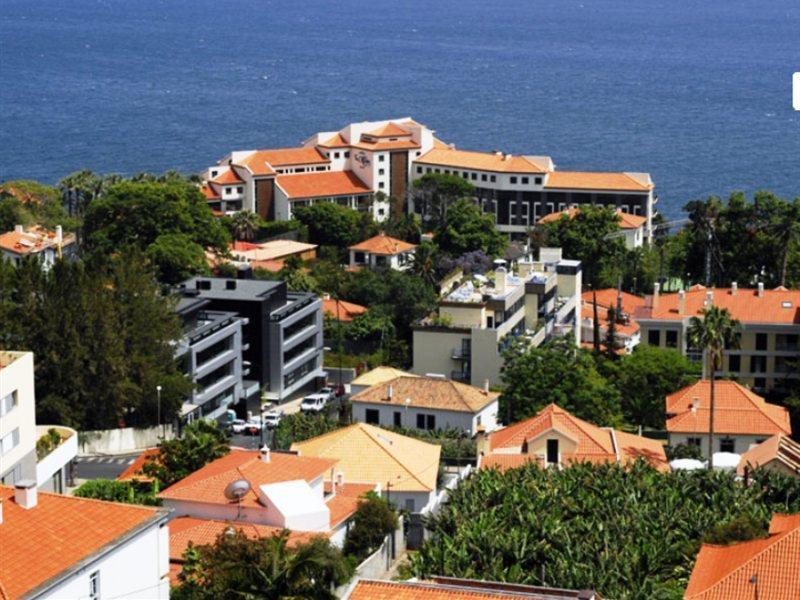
x=272 y=418
x=237 y=425
x=253 y=426
x=314 y=403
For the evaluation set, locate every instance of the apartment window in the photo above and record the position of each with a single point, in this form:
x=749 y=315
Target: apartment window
x=525 y=180
x=760 y=383
x=727 y=445
x=427 y=422
x=373 y=416
x=694 y=441
x=464 y=174
x=381 y=171
x=513 y=180
x=438 y=170
x=9 y=402
x=447 y=172
x=654 y=337
x=758 y=364
x=734 y=363
x=381 y=157
x=672 y=339
x=428 y=170
x=409 y=505
x=228 y=190
x=419 y=169
x=94 y=586
x=761 y=341
x=397 y=418
x=347 y=154
x=214 y=350
x=381 y=185
x=474 y=176
x=483 y=177
x=537 y=180
x=552 y=452
x=492 y=178
x=240 y=190
x=9 y=442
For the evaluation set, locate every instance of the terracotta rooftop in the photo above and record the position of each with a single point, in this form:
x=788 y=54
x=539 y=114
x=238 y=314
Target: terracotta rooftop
x=727 y=572
x=369 y=454
x=208 y=484
x=626 y=220
x=737 y=410
x=227 y=177
x=780 y=451
x=323 y=184
x=504 y=462
x=594 y=444
x=481 y=161
x=134 y=470
x=60 y=532
x=428 y=392
x=405 y=144
x=32 y=240
x=342 y=310
x=388 y=130
x=383 y=245
x=264 y=162
x=583 y=180
x=775 y=306
x=448 y=588
x=607 y=298
x=379 y=375
x=337 y=141
x=209 y=193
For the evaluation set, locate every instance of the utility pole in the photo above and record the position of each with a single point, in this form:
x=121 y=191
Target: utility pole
x=158 y=392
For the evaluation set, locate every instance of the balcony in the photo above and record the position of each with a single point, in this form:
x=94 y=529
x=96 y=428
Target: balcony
x=56 y=446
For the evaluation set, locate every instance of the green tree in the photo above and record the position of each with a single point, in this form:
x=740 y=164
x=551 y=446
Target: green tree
x=434 y=193
x=374 y=519
x=742 y=528
x=785 y=230
x=612 y=342
x=465 y=229
x=237 y=566
x=330 y=224
x=245 y=224
x=301 y=426
x=556 y=373
x=646 y=377
x=713 y=334
x=200 y=443
x=176 y=257
x=80 y=189
x=128 y=492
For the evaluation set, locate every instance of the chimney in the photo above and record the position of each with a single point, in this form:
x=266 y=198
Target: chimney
x=59 y=234
x=760 y=289
x=710 y=297
x=508 y=156
x=339 y=479
x=486 y=386
x=734 y=288
x=695 y=404
x=389 y=393
x=25 y=493
x=264 y=453
x=500 y=275
x=18 y=229
x=656 y=292
x=681 y=302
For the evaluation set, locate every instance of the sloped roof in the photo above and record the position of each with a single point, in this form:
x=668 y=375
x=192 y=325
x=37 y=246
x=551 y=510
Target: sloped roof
x=779 y=448
x=342 y=310
x=447 y=588
x=626 y=220
x=337 y=141
x=585 y=180
x=367 y=454
x=384 y=245
x=209 y=193
x=428 y=392
x=134 y=470
x=322 y=184
x=725 y=572
x=379 y=375
x=208 y=484
x=388 y=130
x=264 y=162
x=227 y=177
x=607 y=298
x=776 y=306
x=737 y=410
x=42 y=542
x=594 y=444
x=480 y=161
x=271 y=250
x=33 y=240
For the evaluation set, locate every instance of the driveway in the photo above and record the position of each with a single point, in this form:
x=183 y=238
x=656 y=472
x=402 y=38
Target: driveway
x=103 y=467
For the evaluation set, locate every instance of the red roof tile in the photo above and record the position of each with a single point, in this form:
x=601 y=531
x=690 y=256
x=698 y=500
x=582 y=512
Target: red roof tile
x=727 y=572
x=388 y=130
x=582 y=180
x=383 y=245
x=264 y=162
x=606 y=299
x=341 y=310
x=227 y=177
x=777 y=451
x=40 y=543
x=446 y=588
x=337 y=141
x=480 y=161
x=134 y=470
x=626 y=220
x=323 y=184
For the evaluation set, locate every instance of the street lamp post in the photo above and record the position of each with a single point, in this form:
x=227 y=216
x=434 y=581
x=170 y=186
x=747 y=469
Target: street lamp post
x=158 y=392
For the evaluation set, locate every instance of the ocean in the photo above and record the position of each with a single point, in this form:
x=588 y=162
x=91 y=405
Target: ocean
x=696 y=93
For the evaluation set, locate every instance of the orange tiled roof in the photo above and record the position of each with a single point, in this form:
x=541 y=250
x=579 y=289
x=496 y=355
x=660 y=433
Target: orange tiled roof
x=337 y=141
x=583 y=180
x=737 y=410
x=32 y=240
x=209 y=193
x=388 y=130
x=384 y=245
x=323 y=184
x=40 y=543
x=387 y=145
x=264 y=162
x=480 y=161
x=428 y=392
x=626 y=220
x=347 y=311
x=775 y=306
x=725 y=572
x=208 y=484
x=594 y=444
x=606 y=299
x=134 y=470
x=445 y=588
x=227 y=177
x=780 y=449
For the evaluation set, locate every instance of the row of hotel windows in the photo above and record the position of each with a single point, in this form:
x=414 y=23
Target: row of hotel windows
x=484 y=177
x=524 y=218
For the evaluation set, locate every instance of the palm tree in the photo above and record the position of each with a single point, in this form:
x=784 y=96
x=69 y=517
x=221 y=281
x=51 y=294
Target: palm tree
x=423 y=263
x=713 y=334
x=245 y=224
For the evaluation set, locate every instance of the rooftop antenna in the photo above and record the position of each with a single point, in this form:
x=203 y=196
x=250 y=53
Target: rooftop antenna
x=235 y=491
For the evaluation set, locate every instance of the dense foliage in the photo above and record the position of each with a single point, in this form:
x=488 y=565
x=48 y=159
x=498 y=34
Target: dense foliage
x=466 y=229
x=200 y=442
x=626 y=533
x=434 y=193
x=27 y=203
x=101 y=333
x=331 y=224
x=237 y=566
x=128 y=492
x=301 y=426
x=372 y=522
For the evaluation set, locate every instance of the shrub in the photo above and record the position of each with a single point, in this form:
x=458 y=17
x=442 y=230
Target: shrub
x=129 y=492
x=373 y=521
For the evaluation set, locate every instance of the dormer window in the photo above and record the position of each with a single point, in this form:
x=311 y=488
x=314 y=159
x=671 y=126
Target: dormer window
x=552 y=452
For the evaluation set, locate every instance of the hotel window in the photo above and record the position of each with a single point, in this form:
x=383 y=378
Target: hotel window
x=758 y=364
x=672 y=339
x=8 y=403
x=335 y=155
x=381 y=157
x=513 y=180
x=419 y=169
x=727 y=445
x=537 y=180
x=525 y=180
x=734 y=363
x=300 y=170
x=654 y=337
x=94 y=586
x=380 y=185
x=372 y=416
x=322 y=168
x=483 y=177
x=492 y=178
x=761 y=341
x=381 y=171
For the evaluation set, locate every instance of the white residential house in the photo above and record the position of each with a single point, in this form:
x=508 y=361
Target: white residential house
x=19 y=432
x=46 y=246
x=382 y=251
x=68 y=547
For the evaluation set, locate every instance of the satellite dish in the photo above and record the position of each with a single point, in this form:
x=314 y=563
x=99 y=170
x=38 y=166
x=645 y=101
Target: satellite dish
x=236 y=490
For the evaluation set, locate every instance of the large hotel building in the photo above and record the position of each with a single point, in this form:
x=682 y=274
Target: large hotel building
x=352 y=165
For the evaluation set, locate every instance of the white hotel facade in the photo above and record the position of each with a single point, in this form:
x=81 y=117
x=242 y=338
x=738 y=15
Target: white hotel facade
x=352 y=165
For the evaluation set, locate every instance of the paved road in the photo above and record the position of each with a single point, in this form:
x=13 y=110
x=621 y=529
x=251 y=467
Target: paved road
x=105 y=467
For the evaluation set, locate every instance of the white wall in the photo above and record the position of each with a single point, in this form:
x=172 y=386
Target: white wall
x=16 y=377
x=126 y=439
x=139 y=568
x=445 y=419
x=742 y=443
